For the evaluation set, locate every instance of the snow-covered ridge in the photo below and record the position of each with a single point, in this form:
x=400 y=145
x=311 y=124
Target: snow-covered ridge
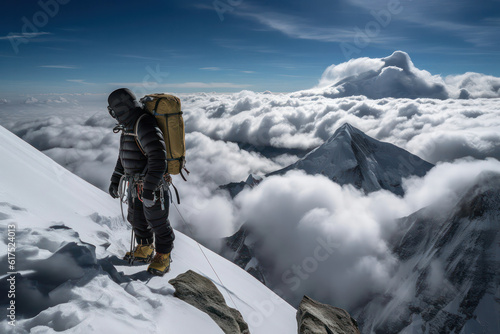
x=70 y=239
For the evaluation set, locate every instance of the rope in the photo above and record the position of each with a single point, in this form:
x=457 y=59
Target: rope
x=206 y=258
x=122 y=187
x=132 y=244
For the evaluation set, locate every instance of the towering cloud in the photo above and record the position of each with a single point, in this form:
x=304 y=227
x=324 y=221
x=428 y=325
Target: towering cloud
x=396 y=76
x=393 y=76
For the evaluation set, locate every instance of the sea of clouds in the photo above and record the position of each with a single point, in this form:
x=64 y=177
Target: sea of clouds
x=331 y=242
x=230 y=136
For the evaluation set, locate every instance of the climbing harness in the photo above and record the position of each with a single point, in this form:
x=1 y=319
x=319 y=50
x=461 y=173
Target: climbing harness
x=130 y=188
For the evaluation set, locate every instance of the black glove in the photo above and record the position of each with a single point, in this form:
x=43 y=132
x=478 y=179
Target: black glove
x=148 y=198
x=113 y=190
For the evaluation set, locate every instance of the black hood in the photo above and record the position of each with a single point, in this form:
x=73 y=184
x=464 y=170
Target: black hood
x=124 y=104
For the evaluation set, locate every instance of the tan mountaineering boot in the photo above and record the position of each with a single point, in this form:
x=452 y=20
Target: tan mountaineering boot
x=143 y=253
x=160 y=264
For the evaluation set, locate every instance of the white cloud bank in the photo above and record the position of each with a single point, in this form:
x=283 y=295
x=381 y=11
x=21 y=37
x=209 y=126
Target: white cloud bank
x=436 y=130
x=331 y=242
x=76 y=130
x=396 y=76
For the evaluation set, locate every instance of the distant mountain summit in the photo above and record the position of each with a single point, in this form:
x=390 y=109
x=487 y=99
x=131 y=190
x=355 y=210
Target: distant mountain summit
x=235 y=188
x=349 y=156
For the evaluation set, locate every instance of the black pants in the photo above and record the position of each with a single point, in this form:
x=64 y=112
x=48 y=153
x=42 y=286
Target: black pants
x=146 y=221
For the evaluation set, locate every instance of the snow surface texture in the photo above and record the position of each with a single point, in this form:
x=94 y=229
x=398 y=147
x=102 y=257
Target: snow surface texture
x=70 y=239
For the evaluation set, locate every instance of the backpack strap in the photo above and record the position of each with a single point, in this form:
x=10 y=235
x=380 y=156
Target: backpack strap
x=134 y=134
x=168 y=182
x=156 y=106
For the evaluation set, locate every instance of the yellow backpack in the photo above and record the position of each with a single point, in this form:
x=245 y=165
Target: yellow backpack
x=167 y=111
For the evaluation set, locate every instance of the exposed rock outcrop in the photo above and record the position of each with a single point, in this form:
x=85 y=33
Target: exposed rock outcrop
x=202 y=293
x=239 y=249
x=316 y=318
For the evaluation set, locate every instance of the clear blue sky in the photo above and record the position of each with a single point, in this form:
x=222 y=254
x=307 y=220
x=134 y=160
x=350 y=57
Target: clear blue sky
x=185 y=46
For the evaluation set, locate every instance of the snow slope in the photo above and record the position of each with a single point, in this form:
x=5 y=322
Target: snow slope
x=70 y=238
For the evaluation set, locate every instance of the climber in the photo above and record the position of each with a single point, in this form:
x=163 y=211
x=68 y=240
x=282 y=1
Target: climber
x=143 y=167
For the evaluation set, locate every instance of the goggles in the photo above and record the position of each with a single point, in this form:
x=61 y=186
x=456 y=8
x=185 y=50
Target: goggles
x=111 y=112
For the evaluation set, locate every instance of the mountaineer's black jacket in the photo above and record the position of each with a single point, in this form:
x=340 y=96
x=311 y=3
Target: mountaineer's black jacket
x=131 y=160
